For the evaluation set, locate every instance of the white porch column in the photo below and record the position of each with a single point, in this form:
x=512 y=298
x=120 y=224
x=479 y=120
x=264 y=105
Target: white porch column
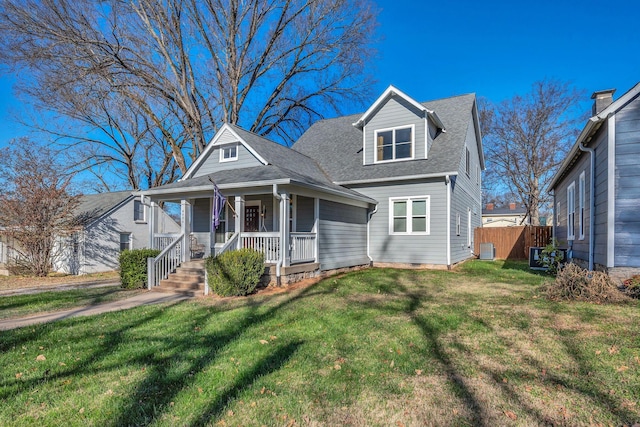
x=152 y=223
x=316 y=226
x=239 y=207
x=185 y=228
x=284 y=230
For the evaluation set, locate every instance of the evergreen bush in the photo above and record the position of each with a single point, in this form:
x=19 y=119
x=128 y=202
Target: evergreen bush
x=133 y=267
x=235 y=273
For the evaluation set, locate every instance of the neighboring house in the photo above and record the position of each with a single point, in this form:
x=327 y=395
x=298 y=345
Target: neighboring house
x=597 y=219
x=504 y=216
x=108 y=224
x=397 y=185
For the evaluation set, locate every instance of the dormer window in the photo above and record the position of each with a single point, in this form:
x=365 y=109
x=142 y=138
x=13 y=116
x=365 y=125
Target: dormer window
x=394 y=143
x=229 y=153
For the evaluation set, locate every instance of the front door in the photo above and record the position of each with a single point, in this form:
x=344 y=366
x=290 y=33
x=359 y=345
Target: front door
x=251 y=218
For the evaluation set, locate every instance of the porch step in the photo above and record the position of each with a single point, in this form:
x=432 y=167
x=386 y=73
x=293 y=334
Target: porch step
x=188 y=279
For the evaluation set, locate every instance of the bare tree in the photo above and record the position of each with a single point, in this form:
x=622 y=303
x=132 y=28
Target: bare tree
x=187 y=66
x=526 y=138
x=35 y=205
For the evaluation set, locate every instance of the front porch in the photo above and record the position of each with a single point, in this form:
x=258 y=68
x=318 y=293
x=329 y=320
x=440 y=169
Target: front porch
x=281 y=225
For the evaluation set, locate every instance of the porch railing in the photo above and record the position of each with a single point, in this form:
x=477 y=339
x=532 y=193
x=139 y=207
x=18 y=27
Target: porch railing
x=161 y=241
x=267 y=243
x=170 y=258
x=303 y=247
x=231 y=244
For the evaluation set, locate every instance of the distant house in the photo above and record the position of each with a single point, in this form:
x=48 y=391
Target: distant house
x=504 y=216
x=396 y=185
x=108 y=224
x=597 y=188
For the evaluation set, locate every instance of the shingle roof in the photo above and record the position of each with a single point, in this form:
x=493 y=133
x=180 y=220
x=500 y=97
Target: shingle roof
x=504 y=210
x=337 y=145
x=93 y=206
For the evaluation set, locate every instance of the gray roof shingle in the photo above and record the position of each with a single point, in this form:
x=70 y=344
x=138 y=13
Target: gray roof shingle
x=93 y=206
x=337 y=145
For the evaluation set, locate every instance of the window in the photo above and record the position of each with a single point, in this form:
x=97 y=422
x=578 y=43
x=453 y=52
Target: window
x=394 y=144
x=125 y=241
x=571 y=211
x=229 y=153
x=138 y=211
x=409 y=215
x=581 y=198
x=468 y=163
x=457 y=224
x=558 y=213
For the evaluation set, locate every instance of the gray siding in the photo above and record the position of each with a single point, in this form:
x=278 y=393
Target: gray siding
x=212 y=162
x=343 y=235
x=395 y=112
x=466 y=197
x=627 y=186
x=304 y=214
x=201 y=215
x=412 y=249
x=581 y=246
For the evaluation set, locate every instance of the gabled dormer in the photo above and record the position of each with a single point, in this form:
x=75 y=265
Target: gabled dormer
x=227 y=150
x=397 y=128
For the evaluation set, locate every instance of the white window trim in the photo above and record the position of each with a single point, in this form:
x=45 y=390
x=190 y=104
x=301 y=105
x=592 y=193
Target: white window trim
x=558 y=216
x=469 y=230
x=230 y=159
x=571 y=211
x=144 y=213
x=130 y=239
x=467 y=160
x=413 y=144
x=457 y=224
x=409 y=231
x=581 y=201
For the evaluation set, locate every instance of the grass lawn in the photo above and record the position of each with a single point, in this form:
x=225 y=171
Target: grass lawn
x=25 y=305
x=54 y=279
x=474 y=346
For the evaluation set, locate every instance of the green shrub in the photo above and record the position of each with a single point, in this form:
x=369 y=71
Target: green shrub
x=133 y=267
x=235 y=273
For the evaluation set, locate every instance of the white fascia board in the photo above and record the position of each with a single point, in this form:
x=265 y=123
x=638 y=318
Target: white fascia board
x=209 y=187
x=215 y=143
x=476 y=125
x=435 y=118
x=398 y=178
x=389 y=92
x=319 y=188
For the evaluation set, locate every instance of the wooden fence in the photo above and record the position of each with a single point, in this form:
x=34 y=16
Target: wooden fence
x=512 y=242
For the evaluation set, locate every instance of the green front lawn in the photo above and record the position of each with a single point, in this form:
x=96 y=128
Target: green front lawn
x=478 y=345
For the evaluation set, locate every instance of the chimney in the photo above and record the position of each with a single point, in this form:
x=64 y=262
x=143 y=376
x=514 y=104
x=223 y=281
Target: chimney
x=512 y=206
x=489 y=206
x=602 y=99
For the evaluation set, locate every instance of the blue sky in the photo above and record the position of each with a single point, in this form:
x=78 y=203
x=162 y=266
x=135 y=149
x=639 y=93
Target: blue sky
x=496 y=49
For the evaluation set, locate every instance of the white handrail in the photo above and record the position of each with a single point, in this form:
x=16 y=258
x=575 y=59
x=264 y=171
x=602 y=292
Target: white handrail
x=231 y=244
x=162 y=240
x=168 y=260
x=267 y=243
x=303 y=247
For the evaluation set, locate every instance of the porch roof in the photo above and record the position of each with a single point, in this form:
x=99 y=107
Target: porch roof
x=257 y=176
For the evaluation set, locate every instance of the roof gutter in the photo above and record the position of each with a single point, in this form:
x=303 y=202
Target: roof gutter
x=399 y=178
x=370 y=215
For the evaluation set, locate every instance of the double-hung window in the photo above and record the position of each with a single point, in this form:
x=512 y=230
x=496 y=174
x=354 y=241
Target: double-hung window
x=409 y=215
x=229 y=153
x=125 y=241
x=138 y=211
x=394 y=144
x=571 y=211
x=581 y=199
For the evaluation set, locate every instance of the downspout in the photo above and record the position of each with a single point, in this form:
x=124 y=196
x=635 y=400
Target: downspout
x=447 y=181
x=279 y=263
x=592 y=201
x=369 y=221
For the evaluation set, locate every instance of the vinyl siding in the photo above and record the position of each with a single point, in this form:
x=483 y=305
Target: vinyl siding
x=343 y=235
x=627 y=186
x=395 y=113
x=304 y=214
x=412 y=249
x=212 y=161
x=201 y=215
x=465 y=196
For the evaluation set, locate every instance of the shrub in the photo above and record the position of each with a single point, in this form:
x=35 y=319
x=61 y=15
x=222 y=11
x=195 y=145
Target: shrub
x=575 y=283
x=551 y=257
x=631 y=286
x=133 y=267
x=235 y=273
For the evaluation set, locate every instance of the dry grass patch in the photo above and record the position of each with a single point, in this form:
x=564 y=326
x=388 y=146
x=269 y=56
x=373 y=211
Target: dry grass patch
x=21 y=282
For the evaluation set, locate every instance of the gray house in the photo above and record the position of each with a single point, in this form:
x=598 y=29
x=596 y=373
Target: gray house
x=398 y=185
x=108 y=224
x=597 y=188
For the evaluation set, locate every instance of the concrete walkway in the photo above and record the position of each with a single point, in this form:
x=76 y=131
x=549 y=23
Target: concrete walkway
x=146 y=298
